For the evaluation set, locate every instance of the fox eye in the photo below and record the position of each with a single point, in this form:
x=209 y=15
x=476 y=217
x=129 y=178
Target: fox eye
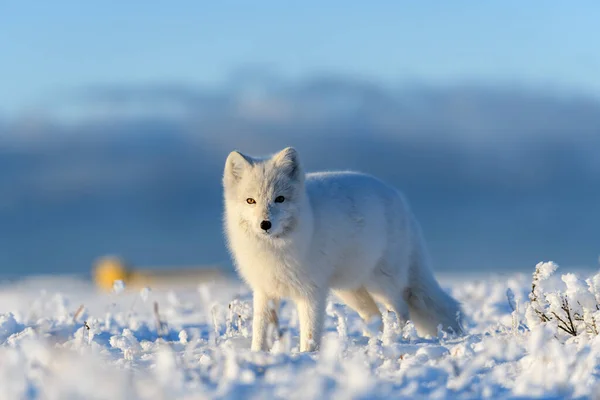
x=279 y=199
x=250 y=200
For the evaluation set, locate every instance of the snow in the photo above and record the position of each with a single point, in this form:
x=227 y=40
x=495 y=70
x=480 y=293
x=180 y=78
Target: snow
x=193 y=343
x=545 y=269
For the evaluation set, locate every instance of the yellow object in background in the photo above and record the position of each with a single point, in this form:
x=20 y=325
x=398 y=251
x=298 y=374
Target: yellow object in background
x=109 y=269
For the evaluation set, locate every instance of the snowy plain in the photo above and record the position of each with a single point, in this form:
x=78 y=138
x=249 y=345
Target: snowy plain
x=193 y=343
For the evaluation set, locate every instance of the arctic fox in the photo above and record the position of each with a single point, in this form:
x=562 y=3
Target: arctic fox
x=298 y=235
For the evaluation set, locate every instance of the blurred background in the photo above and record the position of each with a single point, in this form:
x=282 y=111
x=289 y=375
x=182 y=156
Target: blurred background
x=116 y=119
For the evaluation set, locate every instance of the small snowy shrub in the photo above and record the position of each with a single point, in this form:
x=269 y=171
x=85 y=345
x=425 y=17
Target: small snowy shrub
x=574 y=307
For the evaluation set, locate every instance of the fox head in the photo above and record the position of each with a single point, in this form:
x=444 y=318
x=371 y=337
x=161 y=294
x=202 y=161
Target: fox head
x=264 y=196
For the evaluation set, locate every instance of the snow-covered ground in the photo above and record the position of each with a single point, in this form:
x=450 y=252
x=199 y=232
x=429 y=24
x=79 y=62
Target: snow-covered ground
x=196 y=346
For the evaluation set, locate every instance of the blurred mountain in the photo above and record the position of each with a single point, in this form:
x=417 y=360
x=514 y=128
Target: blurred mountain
x=500 y=177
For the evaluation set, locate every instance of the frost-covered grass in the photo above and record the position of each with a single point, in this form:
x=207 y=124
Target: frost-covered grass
x=194 y=343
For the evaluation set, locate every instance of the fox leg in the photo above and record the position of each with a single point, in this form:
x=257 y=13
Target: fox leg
x=311 y=313
x=394 y=301
x=362 y=302
x=389 y=285
x=392 y=295
x=263 y=315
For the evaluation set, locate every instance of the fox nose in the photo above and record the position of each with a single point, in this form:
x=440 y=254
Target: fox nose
x=265 y=225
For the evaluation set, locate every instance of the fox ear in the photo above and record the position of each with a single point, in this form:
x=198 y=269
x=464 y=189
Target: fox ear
x=235 y=165
x=289 y=161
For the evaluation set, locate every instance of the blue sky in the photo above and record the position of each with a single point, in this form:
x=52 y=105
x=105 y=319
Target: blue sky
x=50 y=48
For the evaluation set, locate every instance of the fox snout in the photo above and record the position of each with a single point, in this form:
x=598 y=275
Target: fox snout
x=265 y=225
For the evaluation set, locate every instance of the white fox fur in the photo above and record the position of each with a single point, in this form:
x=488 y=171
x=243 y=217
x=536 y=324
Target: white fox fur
x=344 y=231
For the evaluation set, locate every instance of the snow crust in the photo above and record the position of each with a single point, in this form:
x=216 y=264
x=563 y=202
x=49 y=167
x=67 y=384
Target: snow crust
x=194 y=344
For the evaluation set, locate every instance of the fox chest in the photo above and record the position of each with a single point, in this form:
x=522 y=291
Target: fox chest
x=275 y=274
